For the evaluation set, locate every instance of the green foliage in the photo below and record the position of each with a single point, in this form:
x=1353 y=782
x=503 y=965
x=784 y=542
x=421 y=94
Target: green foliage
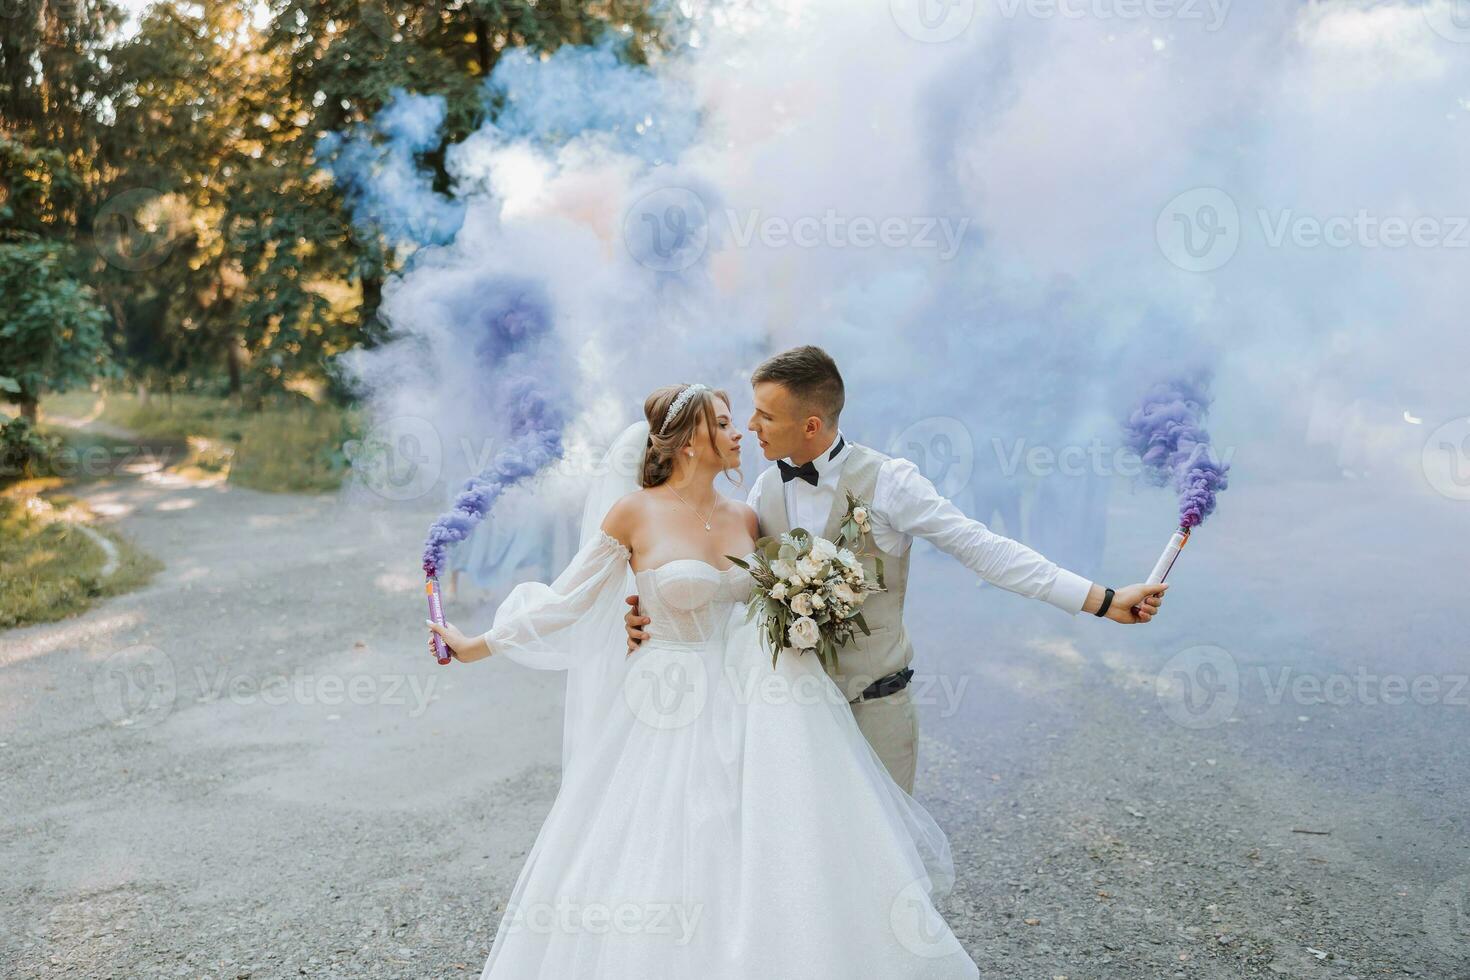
x=179 y=171
x=24 y=452
x=51 y=328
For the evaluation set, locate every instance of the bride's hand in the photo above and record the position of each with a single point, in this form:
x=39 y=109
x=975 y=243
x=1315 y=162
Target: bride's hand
x=465 y=649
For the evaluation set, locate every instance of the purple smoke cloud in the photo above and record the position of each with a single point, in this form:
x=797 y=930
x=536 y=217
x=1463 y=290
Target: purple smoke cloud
x=1168 y=433
x=509 y=336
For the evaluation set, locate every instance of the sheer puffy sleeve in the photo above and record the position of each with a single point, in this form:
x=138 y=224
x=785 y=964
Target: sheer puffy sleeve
x=556 y=626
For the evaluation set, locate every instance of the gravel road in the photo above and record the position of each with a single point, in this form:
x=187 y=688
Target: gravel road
x=251 y=768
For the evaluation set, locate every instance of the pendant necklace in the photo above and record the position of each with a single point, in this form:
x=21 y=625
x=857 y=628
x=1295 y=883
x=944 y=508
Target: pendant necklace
x=696 y=510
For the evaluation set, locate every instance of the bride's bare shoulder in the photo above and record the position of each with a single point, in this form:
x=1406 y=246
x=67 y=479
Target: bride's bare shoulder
x=627 y=515
x=745 y=512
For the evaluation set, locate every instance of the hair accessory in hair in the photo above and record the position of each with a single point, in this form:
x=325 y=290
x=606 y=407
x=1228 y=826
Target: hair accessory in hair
x=679 y=403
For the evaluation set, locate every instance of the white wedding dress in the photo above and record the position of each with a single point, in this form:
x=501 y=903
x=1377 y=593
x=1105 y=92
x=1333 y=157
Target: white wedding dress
x=718 y=818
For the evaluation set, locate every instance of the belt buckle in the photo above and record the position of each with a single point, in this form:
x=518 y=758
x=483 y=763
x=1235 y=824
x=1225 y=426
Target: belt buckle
x=901 y=676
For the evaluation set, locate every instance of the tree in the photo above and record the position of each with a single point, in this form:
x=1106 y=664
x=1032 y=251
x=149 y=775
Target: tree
x=51 y=327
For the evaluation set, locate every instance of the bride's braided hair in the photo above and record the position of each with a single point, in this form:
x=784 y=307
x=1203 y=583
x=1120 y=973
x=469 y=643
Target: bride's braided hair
x=658 y=458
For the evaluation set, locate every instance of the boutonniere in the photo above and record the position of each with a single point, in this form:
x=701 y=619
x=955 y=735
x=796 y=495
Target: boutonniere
x=857 y=525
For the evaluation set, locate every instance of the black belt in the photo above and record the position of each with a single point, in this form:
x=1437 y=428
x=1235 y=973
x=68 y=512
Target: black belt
x=885 y=686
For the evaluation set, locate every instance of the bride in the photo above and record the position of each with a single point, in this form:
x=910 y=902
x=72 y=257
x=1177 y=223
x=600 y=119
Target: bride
x=717 y=818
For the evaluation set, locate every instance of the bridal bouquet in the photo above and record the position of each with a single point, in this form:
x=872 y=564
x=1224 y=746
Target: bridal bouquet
x=809 y=591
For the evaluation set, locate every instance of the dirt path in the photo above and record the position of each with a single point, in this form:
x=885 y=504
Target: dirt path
x=248 y=769
x=251 y=769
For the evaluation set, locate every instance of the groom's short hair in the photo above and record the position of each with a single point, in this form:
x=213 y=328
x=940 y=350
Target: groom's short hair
x=810 y=374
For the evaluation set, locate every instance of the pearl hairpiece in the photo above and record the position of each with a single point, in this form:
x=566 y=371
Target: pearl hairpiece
x=679 y=403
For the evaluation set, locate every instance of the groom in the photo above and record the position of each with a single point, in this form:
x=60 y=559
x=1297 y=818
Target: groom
x=798 y=399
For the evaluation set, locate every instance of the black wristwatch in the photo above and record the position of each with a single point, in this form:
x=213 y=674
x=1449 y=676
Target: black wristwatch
x=1102 y=610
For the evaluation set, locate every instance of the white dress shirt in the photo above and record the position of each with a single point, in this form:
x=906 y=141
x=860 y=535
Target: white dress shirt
x=906 y=505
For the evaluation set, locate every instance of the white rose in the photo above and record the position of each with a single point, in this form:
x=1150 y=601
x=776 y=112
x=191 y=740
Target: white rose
x=809 y=567
x=783 y=568
x=847 y=558
x=860 y=515
x=843 y=594
x=804 y=633
x=778 y=591
x=801 y=604
x=823 y=550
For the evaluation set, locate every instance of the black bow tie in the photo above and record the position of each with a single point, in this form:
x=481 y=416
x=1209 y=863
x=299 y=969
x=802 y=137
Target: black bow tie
x=806 y=471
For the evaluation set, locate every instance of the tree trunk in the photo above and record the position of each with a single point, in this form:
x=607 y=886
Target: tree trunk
x=232 y=362
x=30 y=408
x=484 y=53
x=370 y=327
x=143 y=394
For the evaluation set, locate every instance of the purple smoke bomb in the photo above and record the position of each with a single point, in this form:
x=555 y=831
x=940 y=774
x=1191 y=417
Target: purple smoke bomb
x=1167 y=431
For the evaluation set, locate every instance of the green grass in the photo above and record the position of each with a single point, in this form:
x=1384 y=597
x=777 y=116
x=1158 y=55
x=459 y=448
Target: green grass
x=293 y=446
x=48 y=568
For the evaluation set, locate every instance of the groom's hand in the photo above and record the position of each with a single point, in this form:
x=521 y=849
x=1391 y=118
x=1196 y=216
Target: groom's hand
x=632 y=621
x=1136 y=603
